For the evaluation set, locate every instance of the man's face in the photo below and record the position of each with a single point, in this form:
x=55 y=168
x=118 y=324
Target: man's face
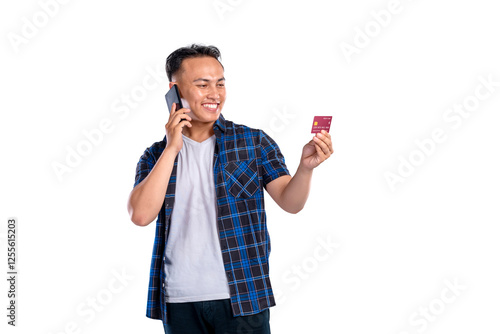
x=201 y=83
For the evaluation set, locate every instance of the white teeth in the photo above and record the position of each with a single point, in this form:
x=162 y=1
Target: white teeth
x=210 y=106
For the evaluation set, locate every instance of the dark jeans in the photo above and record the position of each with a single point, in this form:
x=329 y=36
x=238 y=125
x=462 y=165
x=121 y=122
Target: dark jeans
x=213 y=317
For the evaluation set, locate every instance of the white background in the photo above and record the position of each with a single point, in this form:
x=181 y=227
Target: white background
x=396 y=249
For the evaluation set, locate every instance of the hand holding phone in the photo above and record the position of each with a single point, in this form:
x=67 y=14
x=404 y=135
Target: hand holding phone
x=173 y=96
x=177 y=119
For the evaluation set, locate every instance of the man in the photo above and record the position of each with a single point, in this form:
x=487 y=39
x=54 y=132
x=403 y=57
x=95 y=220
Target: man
x=205 y=182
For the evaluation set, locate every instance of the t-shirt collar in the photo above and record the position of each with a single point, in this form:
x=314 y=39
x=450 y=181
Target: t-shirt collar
x=220 y=123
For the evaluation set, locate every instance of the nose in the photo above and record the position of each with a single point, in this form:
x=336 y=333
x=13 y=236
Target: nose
x=213 y=93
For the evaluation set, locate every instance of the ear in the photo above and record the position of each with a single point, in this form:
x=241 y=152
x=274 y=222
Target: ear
x=170 y=84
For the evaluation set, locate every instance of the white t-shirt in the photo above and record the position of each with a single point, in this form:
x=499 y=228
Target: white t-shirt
x=193 y=258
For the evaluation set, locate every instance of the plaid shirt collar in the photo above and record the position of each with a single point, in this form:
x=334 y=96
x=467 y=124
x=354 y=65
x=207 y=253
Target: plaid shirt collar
x=219 y=124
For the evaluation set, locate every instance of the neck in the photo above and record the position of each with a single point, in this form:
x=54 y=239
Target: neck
x=199 y=131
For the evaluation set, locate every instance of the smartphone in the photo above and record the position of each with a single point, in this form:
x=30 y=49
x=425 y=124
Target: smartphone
x=173 y=96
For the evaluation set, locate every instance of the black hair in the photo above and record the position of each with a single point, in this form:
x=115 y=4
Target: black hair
x=174 y=60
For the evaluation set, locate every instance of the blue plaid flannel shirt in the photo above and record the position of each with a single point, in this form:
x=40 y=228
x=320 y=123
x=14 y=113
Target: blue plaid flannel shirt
x=245 y=161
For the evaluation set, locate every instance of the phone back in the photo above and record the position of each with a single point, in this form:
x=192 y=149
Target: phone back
x=173 y=96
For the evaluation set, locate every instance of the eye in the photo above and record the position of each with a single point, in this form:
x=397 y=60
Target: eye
x=202 y=86
x=221 y=85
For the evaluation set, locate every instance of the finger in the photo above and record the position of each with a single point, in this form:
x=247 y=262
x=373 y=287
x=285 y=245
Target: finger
x=179 y=116
x=326 y=138
x=319 y=150
x=173 y=109
x=183 y=116
x=323 y=146
x=184 y=122
x=320 y=154
x=171 y=115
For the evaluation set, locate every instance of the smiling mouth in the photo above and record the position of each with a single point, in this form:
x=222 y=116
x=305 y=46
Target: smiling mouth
x=211 y=106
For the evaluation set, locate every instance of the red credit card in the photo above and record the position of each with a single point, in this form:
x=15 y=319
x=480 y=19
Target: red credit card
x=321 y=123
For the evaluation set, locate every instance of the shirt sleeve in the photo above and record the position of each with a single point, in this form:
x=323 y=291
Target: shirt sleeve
x=144 y=166
x=273 y=162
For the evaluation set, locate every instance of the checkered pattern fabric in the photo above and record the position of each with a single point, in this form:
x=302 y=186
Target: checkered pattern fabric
x=245 y=161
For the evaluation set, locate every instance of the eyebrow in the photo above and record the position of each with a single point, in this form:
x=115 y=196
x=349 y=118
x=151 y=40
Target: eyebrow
x=206 y=80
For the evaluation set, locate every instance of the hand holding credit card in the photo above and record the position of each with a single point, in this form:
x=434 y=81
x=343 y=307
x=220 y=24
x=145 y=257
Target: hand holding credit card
x=321 y=123
x=319 y=148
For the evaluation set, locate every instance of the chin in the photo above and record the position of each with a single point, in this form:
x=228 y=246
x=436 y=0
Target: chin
x=206 y=117
x=210 y=114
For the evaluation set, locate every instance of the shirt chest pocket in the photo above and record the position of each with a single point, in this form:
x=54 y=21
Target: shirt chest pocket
x=242 y=178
